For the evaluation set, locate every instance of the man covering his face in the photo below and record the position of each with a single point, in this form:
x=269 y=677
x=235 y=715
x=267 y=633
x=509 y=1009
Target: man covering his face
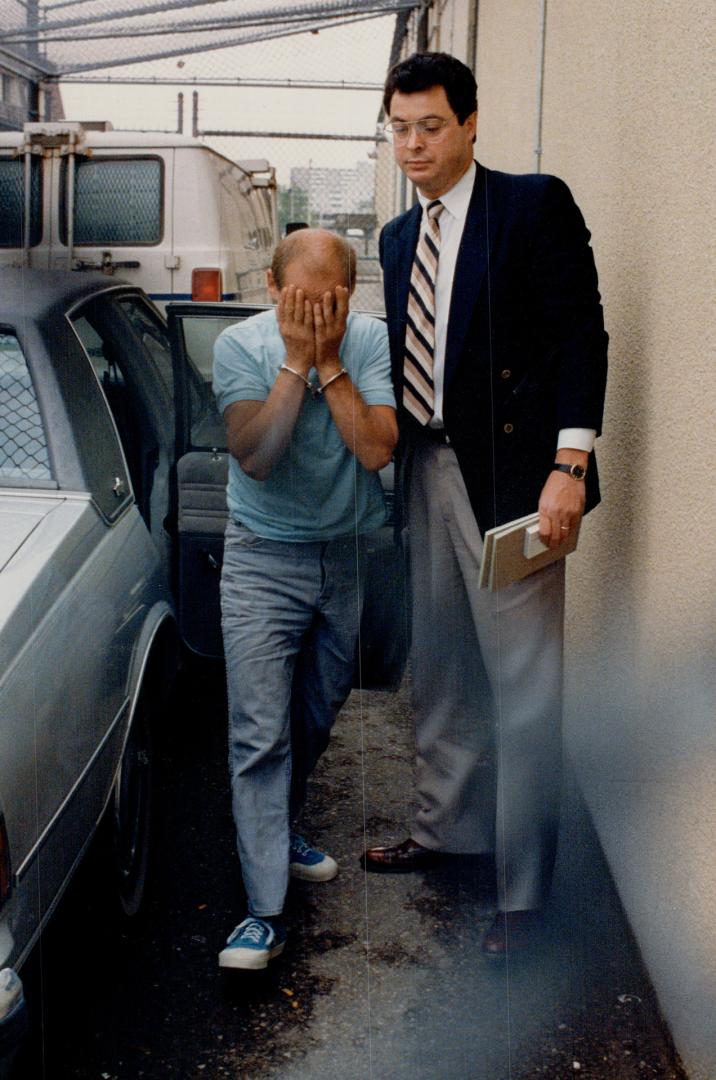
x=306 y=395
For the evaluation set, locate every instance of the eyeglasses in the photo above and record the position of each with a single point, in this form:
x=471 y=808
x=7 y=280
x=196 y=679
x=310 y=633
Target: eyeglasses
x=431 y=128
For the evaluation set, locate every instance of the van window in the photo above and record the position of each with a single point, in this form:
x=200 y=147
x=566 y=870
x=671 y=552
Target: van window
x=12 y=201
x=117 y=201
x=23 y=446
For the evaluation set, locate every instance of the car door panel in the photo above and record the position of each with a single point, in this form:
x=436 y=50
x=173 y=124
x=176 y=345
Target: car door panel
x=73 y=733
x=201 y=521
x=201 y=509
x=201 y=471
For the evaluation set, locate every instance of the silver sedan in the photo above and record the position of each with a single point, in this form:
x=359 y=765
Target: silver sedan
x=87 y=628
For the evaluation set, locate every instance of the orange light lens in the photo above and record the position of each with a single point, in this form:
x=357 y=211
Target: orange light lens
x=206 y=284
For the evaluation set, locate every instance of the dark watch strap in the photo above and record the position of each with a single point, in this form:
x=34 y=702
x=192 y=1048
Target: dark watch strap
x=577 y=472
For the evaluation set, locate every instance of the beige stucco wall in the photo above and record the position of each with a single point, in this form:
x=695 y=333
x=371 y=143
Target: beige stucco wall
x=508 y=52
x=628 y=121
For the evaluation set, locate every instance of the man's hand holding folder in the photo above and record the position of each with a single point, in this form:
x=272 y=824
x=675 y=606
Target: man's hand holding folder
x=514 y=550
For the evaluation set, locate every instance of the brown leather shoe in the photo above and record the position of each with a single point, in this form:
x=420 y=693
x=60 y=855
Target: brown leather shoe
x=400 y=859
x=510 y=931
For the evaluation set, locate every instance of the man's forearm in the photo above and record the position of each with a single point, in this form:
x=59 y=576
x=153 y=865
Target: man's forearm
x=259 y=432
x=369 y=431
x=569 y=455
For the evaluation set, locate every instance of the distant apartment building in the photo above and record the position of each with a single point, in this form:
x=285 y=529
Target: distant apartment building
x=27 y=88
x=333 y=192
x=17 y=99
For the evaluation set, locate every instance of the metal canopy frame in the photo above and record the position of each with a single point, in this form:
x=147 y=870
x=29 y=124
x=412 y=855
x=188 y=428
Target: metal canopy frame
x=56 y=47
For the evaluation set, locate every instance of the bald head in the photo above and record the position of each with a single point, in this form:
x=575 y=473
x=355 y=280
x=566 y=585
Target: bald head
x=315 y=259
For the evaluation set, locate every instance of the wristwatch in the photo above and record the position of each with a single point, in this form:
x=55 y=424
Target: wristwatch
x=577 y=472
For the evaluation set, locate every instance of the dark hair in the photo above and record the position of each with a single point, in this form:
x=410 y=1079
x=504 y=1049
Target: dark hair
x=421 y=71
x=314 y=247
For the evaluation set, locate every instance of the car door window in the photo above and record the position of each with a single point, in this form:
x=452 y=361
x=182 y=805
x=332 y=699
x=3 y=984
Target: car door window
x=207 y=425
x=155 y=339
x=196 y=334
x=201 y=470
x=110 y=376
x=137 y=384
x=24 y=455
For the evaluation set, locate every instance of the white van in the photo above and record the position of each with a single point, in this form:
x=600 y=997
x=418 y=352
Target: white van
x=165 y=211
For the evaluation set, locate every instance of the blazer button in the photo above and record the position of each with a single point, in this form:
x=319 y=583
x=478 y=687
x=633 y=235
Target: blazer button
x=505 y=374
x=508 y=429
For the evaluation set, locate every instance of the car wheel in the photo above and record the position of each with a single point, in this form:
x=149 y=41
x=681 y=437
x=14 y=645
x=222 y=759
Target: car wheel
x=131 y=812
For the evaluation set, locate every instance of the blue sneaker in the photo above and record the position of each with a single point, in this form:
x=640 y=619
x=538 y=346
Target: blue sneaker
x=252 y=944
x=308 y=864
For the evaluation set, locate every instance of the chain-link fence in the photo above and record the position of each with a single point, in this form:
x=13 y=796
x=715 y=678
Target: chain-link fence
x=296 y=83
x=12 y=201
x=23 y=447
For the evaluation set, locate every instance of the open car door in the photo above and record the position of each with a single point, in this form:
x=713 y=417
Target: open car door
x=201 y=473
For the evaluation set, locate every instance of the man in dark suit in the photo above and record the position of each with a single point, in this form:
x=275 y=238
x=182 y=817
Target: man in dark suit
x=499 y=362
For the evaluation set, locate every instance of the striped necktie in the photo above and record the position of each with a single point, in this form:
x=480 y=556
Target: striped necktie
x=418 y=390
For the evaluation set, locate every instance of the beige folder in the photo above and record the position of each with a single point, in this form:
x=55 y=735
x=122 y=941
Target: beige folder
x=514 y=550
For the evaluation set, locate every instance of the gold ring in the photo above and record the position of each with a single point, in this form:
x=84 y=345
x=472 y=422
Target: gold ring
x=564 y=528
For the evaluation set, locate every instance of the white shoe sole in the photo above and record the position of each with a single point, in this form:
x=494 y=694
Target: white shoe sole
x=249 y=959
x=325 y=870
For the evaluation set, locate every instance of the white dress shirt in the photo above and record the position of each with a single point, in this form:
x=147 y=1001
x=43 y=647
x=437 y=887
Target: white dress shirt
x=452 y=222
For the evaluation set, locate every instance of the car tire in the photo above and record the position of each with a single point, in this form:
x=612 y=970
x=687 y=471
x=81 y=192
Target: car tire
x=130 y=812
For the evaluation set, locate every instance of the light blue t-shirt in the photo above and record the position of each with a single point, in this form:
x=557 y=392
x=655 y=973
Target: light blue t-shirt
x=317 y=490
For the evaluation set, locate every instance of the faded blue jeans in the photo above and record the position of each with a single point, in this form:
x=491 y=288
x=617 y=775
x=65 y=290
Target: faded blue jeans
x=290 y=614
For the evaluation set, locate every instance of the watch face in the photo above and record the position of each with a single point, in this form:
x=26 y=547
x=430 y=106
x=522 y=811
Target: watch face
x=578 y=472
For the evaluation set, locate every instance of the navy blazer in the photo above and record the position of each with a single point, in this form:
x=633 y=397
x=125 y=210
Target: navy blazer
x=526 y=350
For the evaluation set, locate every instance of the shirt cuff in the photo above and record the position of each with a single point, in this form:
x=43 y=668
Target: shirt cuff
x=574 y=438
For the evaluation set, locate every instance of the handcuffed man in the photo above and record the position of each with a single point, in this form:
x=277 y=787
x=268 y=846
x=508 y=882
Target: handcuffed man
x=306 y=395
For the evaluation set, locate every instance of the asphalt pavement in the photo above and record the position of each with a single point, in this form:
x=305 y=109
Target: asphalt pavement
x=382 y=977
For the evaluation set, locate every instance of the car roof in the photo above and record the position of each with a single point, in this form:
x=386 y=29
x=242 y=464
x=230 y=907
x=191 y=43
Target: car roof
x=26 y=293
